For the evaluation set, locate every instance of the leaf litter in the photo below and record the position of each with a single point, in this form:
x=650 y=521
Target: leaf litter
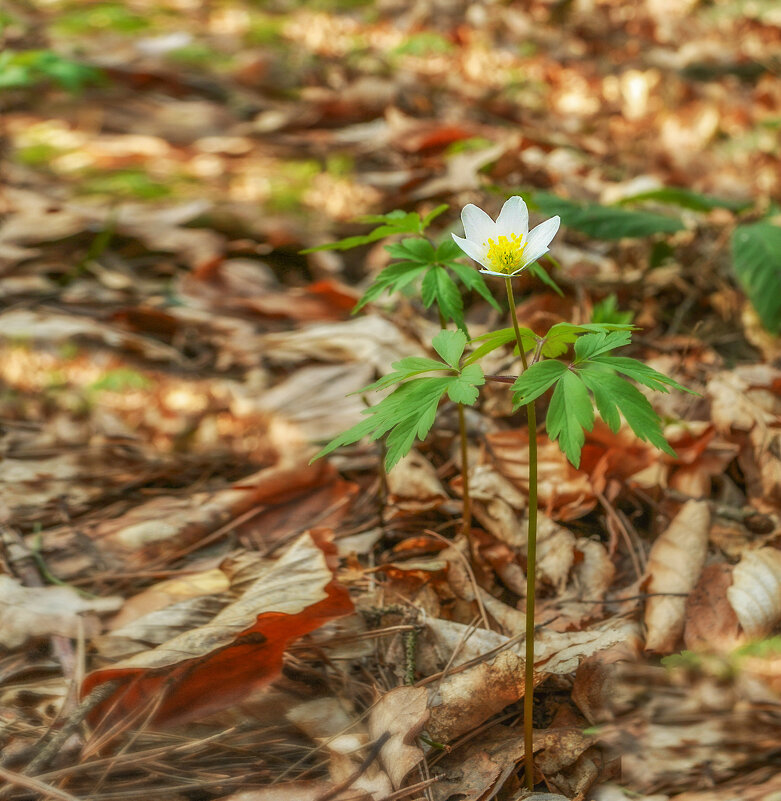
x=169 y=362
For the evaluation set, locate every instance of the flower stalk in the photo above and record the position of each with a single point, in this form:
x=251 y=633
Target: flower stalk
x=531 y=563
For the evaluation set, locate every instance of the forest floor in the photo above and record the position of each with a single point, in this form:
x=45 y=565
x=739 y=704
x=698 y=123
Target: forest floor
x=249 y=626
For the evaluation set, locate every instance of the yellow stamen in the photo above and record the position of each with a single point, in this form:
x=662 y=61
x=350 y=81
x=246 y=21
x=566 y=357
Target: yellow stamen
x=505 y=254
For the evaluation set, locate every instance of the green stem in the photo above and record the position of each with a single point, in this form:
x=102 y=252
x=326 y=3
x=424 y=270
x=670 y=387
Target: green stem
x=466 y=515
x=466 y=500
x=531 y=565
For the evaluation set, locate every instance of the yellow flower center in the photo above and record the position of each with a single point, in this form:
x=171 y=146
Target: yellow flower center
x=505 y=253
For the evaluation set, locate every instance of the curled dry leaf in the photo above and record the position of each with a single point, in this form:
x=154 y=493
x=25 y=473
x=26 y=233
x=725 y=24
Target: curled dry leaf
x=755 y=594
x=674 y=565
x=241 y=649
x=413 y=485
x=29 y=612
x=402 y=713
x=462 y=701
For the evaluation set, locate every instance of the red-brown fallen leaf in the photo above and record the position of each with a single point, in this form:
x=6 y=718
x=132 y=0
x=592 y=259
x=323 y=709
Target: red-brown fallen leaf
x=169 y=524
x=240 y=650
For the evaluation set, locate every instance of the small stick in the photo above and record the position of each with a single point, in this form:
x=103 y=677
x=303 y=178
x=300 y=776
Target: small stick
x=47 y=753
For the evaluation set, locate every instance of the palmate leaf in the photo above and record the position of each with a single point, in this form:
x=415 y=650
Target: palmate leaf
x=392 y=279
x=496 y=339
x=440 y=287
x=569 y=413
x=472 y=279
x=561 y=335
x=590 y=346
x=536 y=380
x=450 y=345
x=392 y=224
x=612 y=393
x=409 y=411
x=405 y=369
x=641 y=373
x=594 y=370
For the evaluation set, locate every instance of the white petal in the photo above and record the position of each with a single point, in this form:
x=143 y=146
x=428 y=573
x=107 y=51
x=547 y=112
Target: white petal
x=472 y=249
x=513 y=218
x=539 y=238
x=499 y=275
x=478 y=226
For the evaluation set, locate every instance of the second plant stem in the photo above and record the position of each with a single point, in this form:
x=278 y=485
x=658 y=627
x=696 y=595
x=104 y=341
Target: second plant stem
x=531 y=564
x=466 y=526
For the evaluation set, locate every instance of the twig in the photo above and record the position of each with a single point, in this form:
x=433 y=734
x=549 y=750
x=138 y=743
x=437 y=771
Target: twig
x=47 y=753
x=46 y=790
x=374 y=752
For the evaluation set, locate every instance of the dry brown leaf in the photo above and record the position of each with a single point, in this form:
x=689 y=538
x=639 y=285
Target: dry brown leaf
x=402 y=713
x=239 y=650
x=755 y=594
x=674 y=565
x=30 y=612
x=167 y=524
x=711 y=623
x=564 y=492
x=463 y=701
x=320 y=400
x=327 y=721
x=413 y=484
x=369 y=339
x=562 y=652
x=300 y=791
x=595 y=679
x=53 y=328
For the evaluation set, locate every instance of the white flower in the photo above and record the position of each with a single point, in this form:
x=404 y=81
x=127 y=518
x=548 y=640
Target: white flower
x=505 y=247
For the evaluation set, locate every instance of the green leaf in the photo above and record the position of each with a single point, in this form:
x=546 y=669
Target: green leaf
x=635 y=407
x=495 y=339
x=687 y=199
x=427 y=220
x=536 y=380
x=450 y=345
x=464 y=387
x=403 y=370
x=569 y=413
x=605 y=222
x=588 y=346
x=392 y=279
x=561 y=335
x=394 y=223
x=607 y=311
x=420 y=250
x=592 y=376
x=472 y=279
x=756 y=256
x=539 y=272
x=357 y=432
x=448 y=250
x=438 y=285
x=641 y=373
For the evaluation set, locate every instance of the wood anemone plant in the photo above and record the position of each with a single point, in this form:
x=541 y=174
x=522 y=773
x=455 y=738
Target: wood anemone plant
x=574 y=361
